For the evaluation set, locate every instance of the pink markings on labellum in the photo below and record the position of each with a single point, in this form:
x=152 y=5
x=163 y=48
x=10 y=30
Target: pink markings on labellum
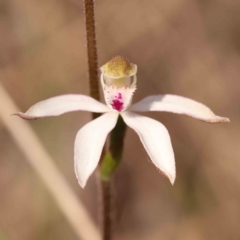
x=119 y=96
x=117 y=104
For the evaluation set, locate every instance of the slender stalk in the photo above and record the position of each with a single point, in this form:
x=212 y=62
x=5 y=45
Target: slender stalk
x=91 y=48
x=106 y=209
x=94 y=92
x=108 y=166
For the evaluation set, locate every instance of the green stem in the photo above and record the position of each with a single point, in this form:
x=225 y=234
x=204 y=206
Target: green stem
x=113 y=157
x=108 y=165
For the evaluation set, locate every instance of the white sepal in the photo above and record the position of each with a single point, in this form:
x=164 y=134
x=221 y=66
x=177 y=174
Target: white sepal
x=156 y=140
x=56 y=106
x=179 y=105
x=89 y=143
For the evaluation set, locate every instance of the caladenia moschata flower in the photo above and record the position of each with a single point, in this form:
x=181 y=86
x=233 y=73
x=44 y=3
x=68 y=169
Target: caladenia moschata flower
x=118 y=79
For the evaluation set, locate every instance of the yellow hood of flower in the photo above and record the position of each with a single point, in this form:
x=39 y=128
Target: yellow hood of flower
x=118 y=67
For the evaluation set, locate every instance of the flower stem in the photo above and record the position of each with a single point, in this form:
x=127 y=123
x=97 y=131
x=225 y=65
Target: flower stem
x=108 y=165
x=94 y=92
x=106 y=209
x=91 y=50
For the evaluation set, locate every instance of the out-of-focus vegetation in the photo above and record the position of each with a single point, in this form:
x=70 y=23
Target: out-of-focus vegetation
x=183 y=47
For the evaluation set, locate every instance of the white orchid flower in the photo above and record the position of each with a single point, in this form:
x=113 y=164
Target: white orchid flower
x=118 y=79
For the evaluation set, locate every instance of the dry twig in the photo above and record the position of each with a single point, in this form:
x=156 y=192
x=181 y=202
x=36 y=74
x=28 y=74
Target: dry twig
x=36 y=155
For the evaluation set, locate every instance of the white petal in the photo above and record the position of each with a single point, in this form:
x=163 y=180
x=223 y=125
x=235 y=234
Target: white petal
x=156 y=140
x=89 y=144
x=56 y=106
x=179 y=105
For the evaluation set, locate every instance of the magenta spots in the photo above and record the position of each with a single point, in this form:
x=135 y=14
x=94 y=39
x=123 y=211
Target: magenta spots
x=119 y=96
x=117 y=105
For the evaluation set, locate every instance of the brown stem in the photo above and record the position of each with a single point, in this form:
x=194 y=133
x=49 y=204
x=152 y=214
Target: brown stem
x=106 y=209
x=91 y=48
x=94 y=92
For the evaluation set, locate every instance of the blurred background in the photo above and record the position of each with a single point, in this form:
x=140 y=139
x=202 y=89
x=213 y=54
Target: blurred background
x=184 y=47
